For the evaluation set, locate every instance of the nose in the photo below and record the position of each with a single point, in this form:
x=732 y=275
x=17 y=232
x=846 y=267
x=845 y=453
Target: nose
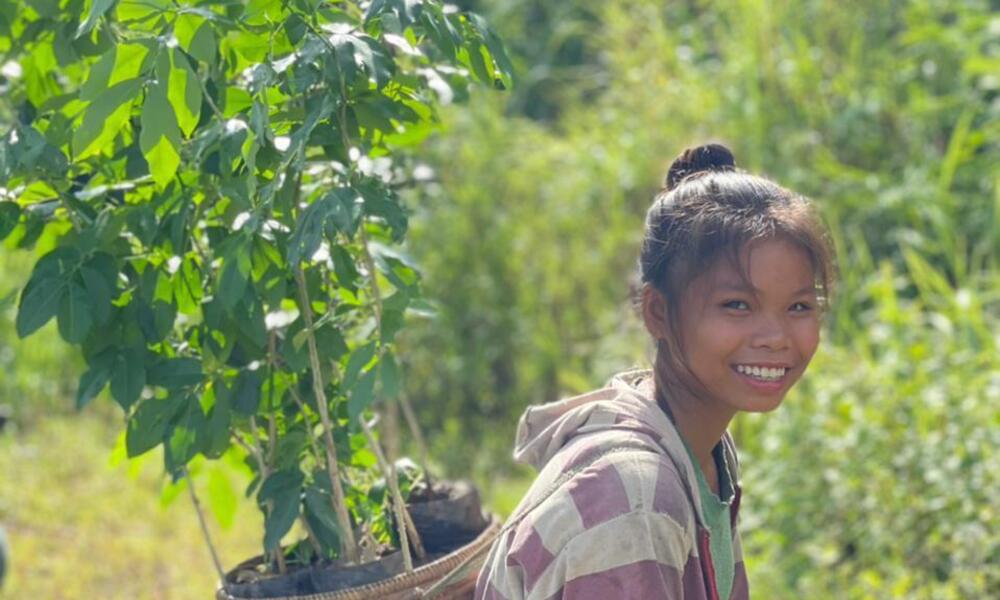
x=770 y=334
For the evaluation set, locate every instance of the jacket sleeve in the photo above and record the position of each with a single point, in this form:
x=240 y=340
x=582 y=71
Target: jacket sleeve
x=635 y=556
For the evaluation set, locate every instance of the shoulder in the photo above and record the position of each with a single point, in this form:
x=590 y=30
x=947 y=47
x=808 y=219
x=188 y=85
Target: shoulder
x=625 y=510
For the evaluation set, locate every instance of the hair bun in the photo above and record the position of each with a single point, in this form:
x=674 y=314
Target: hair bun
x=710 y=157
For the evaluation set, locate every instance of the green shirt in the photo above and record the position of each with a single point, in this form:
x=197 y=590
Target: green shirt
x=716 y=511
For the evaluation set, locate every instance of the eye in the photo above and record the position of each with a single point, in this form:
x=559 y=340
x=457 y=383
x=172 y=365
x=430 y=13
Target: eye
x=801 y=307
x=736 y=305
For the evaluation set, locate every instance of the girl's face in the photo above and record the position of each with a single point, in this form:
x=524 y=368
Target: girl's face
x=749 y=345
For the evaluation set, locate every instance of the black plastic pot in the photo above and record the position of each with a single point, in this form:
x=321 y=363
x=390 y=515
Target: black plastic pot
x=455 y=534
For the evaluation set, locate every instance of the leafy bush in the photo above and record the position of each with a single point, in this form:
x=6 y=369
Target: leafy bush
x=216 y=188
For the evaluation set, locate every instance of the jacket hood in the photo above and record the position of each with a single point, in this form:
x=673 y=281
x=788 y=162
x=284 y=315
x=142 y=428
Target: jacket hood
x=625 y=403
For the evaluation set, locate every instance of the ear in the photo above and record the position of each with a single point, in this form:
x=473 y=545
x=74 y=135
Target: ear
x=654 y=312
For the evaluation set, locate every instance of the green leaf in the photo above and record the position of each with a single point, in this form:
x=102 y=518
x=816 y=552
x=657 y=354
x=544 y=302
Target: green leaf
x=163 y=161
x=383 y=203
x=104 y=119
x=359 y=359
x=246 y=392
x=362 y=394
x=308 y=234
x=145 y=319
x=495 y=47
x=338 y=207
x=147 y=426
x=289 y=448
x=39 y=303
x=182 y=437
x=353 y=49
x=175 y=373
x=283 y=490
x=344 y=268
x=45 y=8
x=97 y=9
x=184 y=93
x=164 y=315
x=31 y=153
x=319 y=506
x=389 y=375
x=251 y=321
x=284 y=511
x=98 y=293
x=235 y=277
x=94 y=379
x=99 y=76
x=440 y=31
x=215 y=435
x=345 y=210
x=295 y=28
x=203 y=45
x=185 y=26
x=160 y=136
x=10 y=214
x=140 y=10
x=75 y=318
x=129 y=59
x=281 y=482
x=295 y=350
x=141 y=221
x=128 y=378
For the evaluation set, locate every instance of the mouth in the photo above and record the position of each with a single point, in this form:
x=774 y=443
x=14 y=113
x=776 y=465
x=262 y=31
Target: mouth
x=763 y=378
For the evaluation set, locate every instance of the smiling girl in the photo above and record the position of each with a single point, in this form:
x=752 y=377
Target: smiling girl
x=637 y=493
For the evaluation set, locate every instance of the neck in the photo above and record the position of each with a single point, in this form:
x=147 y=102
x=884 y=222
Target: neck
x=701 y=421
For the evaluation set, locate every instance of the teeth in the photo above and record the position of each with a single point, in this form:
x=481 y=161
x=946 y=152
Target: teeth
x=766 y=373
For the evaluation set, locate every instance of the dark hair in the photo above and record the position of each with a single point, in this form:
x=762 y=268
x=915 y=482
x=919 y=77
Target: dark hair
x=708 y=209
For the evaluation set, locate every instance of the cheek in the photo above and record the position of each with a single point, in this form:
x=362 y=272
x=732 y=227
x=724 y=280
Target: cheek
x=720 y=338
x=806 y=335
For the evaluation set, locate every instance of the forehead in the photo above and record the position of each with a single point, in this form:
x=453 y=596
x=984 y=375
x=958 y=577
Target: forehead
x=775 y=265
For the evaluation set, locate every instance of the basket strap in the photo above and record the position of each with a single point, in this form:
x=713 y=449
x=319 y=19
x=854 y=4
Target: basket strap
x=465 y=567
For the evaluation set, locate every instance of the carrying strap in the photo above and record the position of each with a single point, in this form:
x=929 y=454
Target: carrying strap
x=464 y=569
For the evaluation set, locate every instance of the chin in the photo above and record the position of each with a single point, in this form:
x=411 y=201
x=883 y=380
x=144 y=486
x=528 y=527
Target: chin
x=761 y=404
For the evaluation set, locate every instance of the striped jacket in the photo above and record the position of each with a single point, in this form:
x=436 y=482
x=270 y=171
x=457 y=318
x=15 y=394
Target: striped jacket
x=615 y=511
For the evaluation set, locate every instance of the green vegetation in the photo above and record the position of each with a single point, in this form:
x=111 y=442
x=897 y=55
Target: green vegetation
x=210 y=193
x=878 y=476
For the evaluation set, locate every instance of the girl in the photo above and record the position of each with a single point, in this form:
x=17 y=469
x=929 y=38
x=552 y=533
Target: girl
x=638 y=491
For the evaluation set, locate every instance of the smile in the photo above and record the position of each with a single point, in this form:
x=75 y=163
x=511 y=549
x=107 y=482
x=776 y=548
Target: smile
x=762 y=373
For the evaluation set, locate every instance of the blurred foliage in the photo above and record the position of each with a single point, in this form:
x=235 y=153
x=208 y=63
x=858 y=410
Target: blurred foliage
x=88 y=527
x=878 y=478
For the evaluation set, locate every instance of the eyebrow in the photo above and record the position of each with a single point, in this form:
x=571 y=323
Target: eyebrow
x=740 y=287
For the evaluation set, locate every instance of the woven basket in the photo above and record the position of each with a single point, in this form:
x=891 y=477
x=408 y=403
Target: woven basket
x=460 y=567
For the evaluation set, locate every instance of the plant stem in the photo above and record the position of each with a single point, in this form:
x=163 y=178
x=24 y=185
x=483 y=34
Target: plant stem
x=204 y=529
x=411 y=419
x=407 y=531
x=312 y=440
x=257 y=451
x=349 y=548
x=272 y=426
x=414 y=426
